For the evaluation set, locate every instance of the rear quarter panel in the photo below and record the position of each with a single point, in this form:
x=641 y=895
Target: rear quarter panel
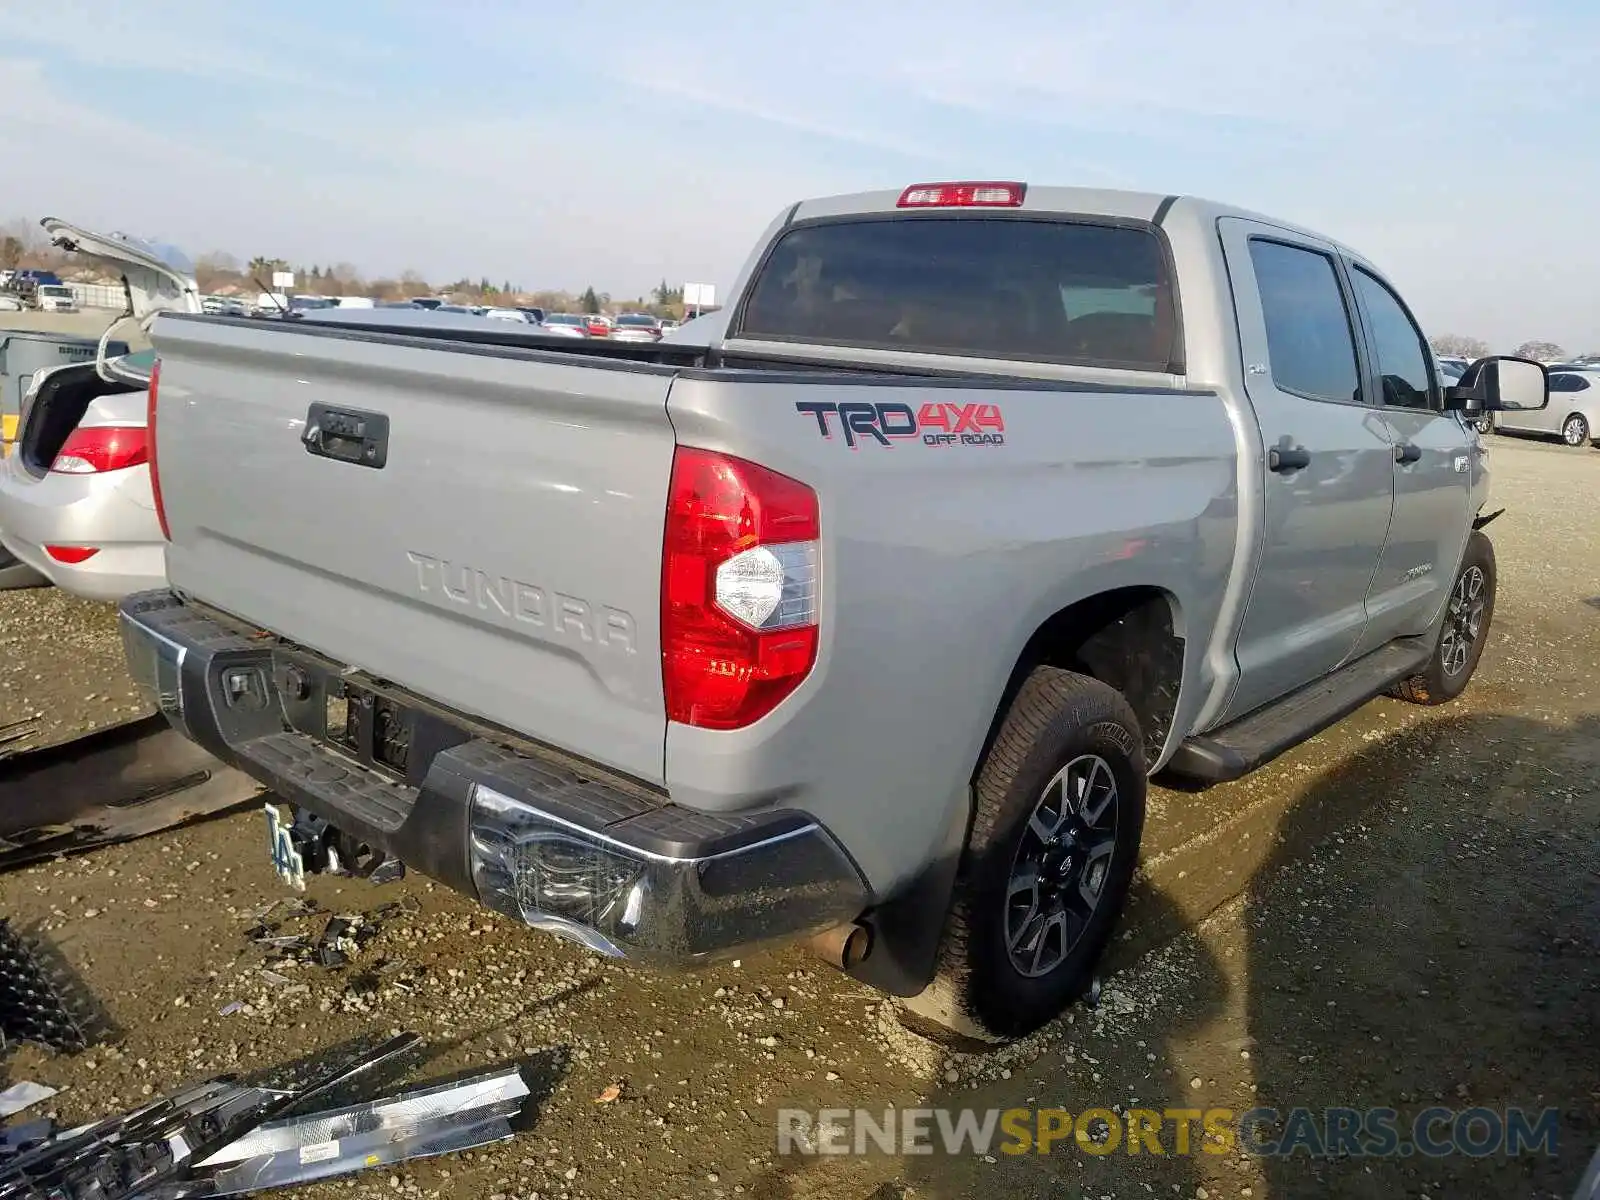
x=939 y=562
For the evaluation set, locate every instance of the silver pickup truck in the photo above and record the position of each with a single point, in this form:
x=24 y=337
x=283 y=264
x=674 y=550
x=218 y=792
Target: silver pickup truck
x=858 y=612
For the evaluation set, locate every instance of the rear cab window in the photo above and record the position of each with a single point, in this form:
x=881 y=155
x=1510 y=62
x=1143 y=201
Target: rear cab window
x=1073 y=291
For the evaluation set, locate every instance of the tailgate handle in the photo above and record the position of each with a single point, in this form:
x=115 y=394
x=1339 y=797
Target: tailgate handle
x=349 y=435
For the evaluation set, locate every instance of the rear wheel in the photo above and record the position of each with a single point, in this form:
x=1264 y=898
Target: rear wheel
x=1465 y=631
x=1575 y=430
x=1059 y=812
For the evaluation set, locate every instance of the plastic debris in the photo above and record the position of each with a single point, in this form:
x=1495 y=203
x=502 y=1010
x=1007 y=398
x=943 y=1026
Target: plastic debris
x=37 y=1002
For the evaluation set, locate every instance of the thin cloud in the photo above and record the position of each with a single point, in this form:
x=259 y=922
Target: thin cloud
x=640 y=141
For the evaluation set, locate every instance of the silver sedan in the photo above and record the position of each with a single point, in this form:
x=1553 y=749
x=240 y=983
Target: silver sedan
x=75 y=500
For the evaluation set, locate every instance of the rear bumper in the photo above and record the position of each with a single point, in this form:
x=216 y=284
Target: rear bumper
x=84 y=510
x=554 y=842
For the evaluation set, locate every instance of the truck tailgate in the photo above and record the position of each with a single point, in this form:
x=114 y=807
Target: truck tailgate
x=505 y=558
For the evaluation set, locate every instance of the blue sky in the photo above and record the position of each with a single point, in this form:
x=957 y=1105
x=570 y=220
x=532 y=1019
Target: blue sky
x=620 y=143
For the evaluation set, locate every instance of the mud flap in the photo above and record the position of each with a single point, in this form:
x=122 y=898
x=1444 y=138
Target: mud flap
x=112 y=785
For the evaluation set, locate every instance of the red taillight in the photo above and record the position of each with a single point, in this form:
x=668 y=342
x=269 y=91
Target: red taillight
x=150 y=438
x=101 y=448
x=739 y=589
x=963 y=195
x=72 y=554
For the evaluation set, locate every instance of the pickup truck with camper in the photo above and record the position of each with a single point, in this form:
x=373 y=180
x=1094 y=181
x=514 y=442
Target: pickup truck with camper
x=858 y=612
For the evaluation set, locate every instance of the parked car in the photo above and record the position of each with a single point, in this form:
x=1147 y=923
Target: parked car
x=10 y=303
x=1573 y=414
x=598 y=325
x=698 y=655
x=75 y=497
x=573 y=321
x=515 y=315
x=535 y=315
x=565 y=331
x=637 y=327
x=54 y=297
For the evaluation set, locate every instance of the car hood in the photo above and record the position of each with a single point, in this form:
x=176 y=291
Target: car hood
x=160 y=278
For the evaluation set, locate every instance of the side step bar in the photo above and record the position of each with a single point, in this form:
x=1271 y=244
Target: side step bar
x=1257 y=738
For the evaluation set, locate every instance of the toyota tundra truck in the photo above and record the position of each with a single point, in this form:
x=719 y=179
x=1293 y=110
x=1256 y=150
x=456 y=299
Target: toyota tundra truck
x=858 y=612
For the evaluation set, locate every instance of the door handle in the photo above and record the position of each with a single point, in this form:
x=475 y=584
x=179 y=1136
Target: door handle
x=352 y=436
x=1407 y=453
x=1285 y=460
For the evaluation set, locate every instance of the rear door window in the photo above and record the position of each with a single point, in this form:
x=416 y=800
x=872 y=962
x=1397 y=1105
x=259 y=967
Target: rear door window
x=1054 y=291
x=1310 y=339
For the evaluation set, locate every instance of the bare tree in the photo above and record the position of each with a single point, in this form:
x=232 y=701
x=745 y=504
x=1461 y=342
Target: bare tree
x=11 y=250
x=1457 y=346
x=1541 y=351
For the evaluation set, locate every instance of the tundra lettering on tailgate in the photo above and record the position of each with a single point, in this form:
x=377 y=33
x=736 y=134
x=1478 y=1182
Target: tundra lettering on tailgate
x=942 y=424
x=514 y=602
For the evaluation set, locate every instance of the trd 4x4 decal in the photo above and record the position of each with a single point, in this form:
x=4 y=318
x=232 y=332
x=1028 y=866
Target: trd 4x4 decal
x=934 y=424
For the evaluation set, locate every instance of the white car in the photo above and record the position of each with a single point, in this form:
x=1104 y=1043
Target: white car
x=515 y=315
x=55 y=297
x=75 y=499
x=1573 y=413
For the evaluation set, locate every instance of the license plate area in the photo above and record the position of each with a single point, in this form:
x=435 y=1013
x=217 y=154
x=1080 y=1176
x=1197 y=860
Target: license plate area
x=376 y=730
x=380 y=728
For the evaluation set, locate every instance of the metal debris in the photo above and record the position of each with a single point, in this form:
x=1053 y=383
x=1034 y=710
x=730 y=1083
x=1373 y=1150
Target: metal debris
x=471 y=1112
x=111 y=785
x=16 y=736
x=223 y=1138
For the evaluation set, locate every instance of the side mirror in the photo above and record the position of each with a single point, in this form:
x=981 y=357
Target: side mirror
x=1500 y=383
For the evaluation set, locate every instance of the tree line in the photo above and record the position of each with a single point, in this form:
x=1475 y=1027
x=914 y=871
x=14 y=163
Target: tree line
x=1456 y=346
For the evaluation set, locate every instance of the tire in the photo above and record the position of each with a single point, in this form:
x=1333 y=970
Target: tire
x=1575 y=430
x=1468 y=615
x=1061 y=732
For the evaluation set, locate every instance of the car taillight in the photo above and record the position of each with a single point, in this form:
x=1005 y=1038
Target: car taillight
x=963 y=195
x=150 y=438
x=72 y=555
x=101 y=448
x=739 y=589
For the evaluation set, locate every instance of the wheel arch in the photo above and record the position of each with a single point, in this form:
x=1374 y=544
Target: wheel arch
x=1131 y=638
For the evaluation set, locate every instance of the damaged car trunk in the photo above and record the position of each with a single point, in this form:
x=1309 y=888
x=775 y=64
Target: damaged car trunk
x=61 y=400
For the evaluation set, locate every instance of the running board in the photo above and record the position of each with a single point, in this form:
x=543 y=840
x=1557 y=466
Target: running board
x=1257 y=738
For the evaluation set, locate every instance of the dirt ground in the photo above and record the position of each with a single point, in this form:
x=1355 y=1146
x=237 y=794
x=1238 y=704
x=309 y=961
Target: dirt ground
x=1404 y=912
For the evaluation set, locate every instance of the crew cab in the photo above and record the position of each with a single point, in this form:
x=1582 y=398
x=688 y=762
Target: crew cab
x=859 y=611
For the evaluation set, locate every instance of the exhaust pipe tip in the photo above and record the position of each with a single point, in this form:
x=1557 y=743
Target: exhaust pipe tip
x=844 y=946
